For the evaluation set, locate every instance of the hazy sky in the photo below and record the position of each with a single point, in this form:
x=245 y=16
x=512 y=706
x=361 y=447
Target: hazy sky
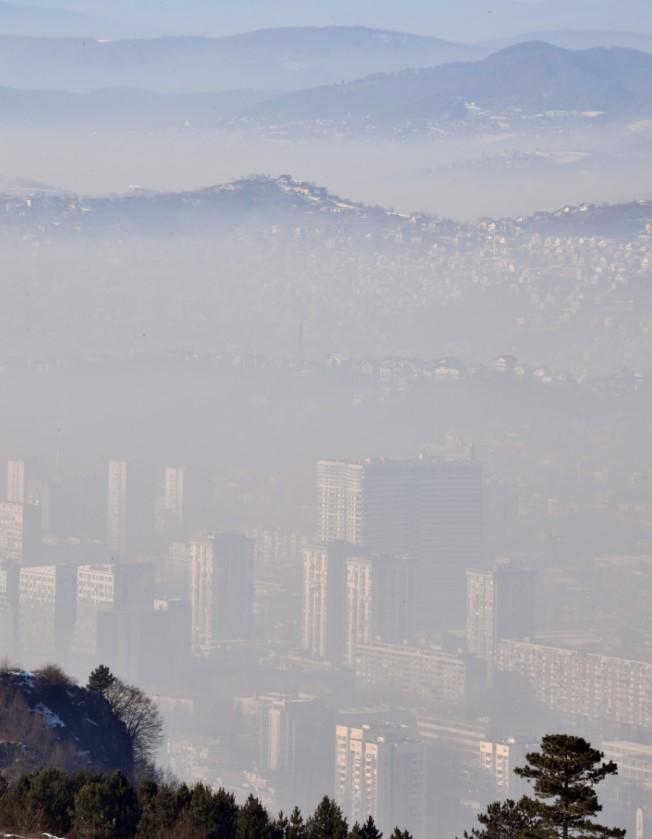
x=464 y=20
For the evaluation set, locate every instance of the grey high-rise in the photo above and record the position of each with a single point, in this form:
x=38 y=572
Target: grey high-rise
x=499 y=606
x=222 y=588
x=429 y=509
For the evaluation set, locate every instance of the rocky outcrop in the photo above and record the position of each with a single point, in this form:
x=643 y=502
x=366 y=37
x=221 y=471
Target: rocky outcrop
x=48 y=721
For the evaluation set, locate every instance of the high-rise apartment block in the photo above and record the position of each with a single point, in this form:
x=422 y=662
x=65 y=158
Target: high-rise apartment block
x=174 y=494
x=499 y=758
x=421 y=673
x=147 y=646
x=634 y=761
x=221 y=587
x=499 y=606
x=100 y=588
x=46 y=614
x=116 y=511
x=379 y=600
x=427 y=509
x=20 y=532
x=16 y=485
x=380 y=771
x=294 y=738
x=353 y=597
x=170 y=506
x=598 y=687
x=324 y=600
x=283 y=724
x=278 y=549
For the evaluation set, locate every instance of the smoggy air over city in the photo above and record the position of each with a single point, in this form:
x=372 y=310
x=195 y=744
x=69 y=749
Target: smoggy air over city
x=325 y=398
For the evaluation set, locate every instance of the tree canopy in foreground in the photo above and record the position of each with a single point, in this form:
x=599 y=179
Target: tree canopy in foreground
x=564 y=775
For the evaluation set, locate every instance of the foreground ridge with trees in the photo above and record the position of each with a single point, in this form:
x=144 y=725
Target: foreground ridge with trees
x=564 y=775
x=54 y=800
x=110 y=807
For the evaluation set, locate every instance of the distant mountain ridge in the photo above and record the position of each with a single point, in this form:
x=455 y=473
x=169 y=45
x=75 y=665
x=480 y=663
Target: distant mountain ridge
x=271 y=59
x=283 y=59
x=522 y=81
x=579 y=39
x=464 y=20
x=530 y=78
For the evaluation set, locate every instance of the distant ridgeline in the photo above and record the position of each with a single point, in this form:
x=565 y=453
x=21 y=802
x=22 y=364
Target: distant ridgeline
x=262 y=203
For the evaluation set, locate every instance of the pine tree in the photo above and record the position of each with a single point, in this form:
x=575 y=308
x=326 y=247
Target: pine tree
x=356 y=831
x=564 y=775
x=327 y=822
x=278 y=827
x=252 y=820
x=506 y=820
x=106 y=807
x=369 y=830
x=401 y=834
x=101 y=679
x=51 y=796
x=296 y=828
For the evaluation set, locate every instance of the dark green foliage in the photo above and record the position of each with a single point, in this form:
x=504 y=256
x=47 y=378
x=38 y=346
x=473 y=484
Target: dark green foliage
x=327 y=822
x=296 y=828
x=162 y=809
x=52 y=797
x=209 y=815
x=42 y=801
x=252 y=821
x=506 y=820
x=99 y=806
x=101 y=679
x=564 y=775
x=106 y=808
x=369 y=830
x=400 y=834
x=278 y=829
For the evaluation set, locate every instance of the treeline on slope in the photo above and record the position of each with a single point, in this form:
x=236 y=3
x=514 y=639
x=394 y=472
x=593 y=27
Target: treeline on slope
x=110 y=807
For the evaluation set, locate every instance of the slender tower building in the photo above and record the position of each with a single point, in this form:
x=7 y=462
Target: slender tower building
x=16 y=481
x=116 y=514
x=174 y=477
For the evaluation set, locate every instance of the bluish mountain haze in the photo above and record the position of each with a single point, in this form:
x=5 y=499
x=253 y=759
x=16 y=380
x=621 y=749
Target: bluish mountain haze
x=51 y=21
x=130 y=107
x=580 y=39
x=463 y=20
x=520 y=81
x=527 y=78
x=276 y=59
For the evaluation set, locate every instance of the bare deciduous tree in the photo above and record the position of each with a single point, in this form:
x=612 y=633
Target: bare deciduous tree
x=141 y=717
